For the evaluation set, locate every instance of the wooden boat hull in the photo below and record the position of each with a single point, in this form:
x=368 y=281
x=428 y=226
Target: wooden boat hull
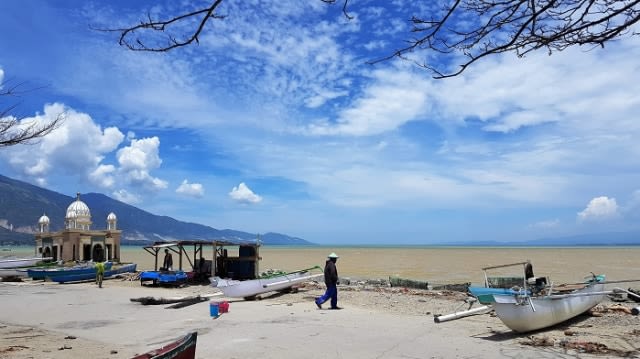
x=183 y=348
x=251 y=288
x=517 y=312
x=56 y=272
x=92 y=275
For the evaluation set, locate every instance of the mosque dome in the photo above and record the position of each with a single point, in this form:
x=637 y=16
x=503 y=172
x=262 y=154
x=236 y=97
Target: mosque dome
x=78 y=209
x=44 y=219
x=111 y=217
x=78 y=215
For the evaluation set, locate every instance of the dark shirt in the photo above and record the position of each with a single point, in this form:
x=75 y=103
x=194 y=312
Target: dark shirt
x=330 y=273
x=168 y=260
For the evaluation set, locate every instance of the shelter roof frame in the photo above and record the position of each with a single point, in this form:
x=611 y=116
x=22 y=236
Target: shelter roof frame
x=178 y=247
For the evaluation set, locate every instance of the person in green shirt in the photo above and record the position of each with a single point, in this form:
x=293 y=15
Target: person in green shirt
x=99 y=273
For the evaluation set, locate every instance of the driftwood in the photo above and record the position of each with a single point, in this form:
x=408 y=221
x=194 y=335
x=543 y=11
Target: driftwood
x=160 y=300
x=172 y=300
x=187 y=303
x=633 y=297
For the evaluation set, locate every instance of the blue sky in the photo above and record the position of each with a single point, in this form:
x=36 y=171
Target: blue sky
x=276 y=123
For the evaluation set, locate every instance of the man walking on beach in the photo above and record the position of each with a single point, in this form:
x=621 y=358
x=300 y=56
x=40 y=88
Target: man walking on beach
x=331 y=281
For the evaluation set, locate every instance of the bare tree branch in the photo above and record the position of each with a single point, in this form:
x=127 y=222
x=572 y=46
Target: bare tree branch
x=130 y=37
x=473 y=29
x=13 y=130
x=344 y=7
x=520 y=27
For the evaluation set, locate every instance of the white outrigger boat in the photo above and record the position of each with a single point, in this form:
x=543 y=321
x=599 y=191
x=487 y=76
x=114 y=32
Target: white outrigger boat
x=8 y=263
x=523 y=312
x=250 y=288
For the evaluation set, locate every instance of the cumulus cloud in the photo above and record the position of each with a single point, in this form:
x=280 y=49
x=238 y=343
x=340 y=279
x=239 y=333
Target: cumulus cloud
x=599 y=209
x=190 y=189
x=138 y=159
x=125 y=196
x=77 y=147
x=244 y=194
x=103 y=176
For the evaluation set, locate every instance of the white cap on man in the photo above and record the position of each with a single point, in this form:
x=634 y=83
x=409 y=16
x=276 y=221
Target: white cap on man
x=333 y=255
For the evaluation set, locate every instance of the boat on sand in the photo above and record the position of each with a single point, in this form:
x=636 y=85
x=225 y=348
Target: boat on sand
x=523 y=312
x=182 y=348
x=250 y=288
x=91 y=275
x=6 y=263
x=83 y=268
x=176 y=278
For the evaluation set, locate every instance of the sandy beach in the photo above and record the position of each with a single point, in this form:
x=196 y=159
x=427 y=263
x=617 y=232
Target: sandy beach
x=48 y=320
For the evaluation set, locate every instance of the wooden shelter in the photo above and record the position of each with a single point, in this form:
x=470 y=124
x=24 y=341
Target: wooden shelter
x=236 y=260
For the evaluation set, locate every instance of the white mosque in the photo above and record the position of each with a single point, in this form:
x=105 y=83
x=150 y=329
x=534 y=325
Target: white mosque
x=77 y=241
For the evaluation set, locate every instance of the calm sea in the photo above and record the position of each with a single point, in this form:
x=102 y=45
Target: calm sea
x=432 y=264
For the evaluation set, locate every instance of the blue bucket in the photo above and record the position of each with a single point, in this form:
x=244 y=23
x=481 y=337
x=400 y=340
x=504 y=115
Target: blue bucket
x=213 y=309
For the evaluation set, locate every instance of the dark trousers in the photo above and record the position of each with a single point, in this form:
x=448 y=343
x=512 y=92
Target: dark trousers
x=332 y=292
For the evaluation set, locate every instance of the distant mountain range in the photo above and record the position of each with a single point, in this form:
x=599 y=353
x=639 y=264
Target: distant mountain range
x=586 y=240
x=22 y=204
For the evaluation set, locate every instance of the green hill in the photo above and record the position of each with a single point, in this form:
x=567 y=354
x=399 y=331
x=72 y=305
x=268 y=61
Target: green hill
x=22 y=204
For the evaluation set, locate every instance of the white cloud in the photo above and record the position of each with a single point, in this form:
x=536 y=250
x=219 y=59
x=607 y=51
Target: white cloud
x=243 y=194
x=552 y=223
x=126 y=196
x=322 y=97
x=396 y=97
x=599 y=209
x=375 y=44
x=103 y=176
x=190 y=189
x=138 y=159
x=508 y=93
x=77 y=147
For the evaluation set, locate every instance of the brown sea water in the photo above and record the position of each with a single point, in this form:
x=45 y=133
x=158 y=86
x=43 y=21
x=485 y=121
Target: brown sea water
x=434 y=264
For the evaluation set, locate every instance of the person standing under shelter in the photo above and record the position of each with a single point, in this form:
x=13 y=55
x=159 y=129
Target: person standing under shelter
x=167 y=264
x=331 y=281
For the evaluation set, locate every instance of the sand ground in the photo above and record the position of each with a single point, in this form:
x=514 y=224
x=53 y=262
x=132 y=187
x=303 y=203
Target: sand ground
x=47 y=320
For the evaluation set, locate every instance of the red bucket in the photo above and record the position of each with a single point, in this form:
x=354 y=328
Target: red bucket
x=223 y=306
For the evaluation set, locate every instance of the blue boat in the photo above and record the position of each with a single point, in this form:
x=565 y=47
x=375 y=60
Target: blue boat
x=485 y=294
x=92 y=275
x=164 y=277
x=507 y=285
x=87 y=268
